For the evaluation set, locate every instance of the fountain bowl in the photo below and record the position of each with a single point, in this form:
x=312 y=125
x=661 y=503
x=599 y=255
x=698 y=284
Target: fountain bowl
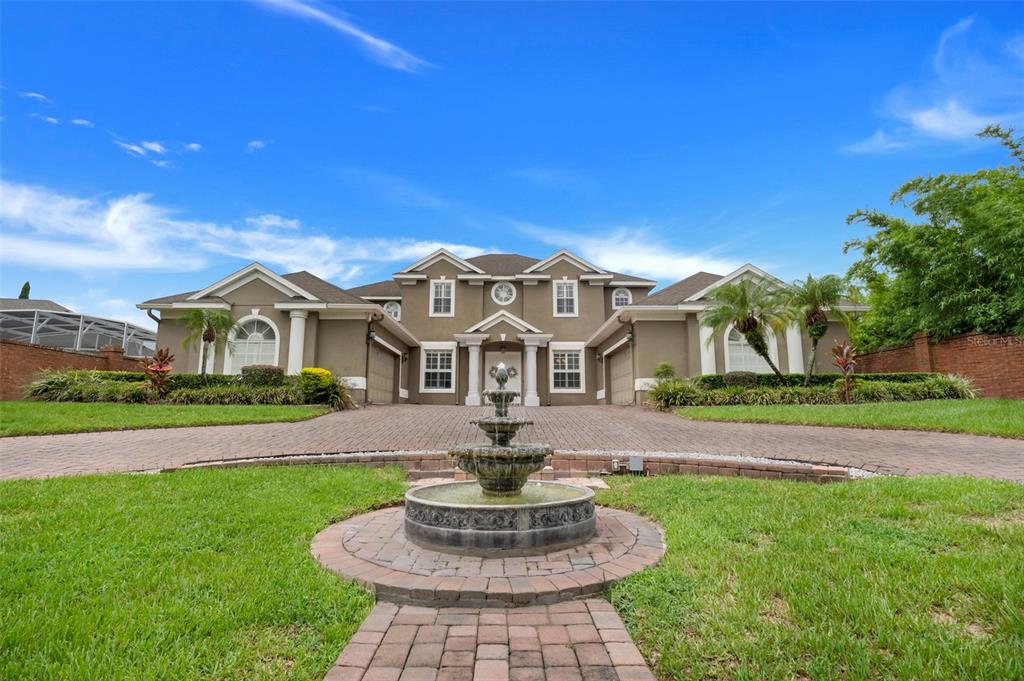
x=501 y=469
x=459 y=517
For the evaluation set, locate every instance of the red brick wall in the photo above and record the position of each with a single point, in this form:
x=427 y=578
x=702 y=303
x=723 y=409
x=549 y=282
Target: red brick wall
x=994 y=363
x=19 y=362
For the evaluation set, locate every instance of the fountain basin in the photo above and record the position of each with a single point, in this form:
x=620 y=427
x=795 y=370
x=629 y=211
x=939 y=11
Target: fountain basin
x=501 y=469
x=459 y=517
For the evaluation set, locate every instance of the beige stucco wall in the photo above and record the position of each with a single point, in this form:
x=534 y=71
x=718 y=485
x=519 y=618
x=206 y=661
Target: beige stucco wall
x=823 y=360
x=660 y=341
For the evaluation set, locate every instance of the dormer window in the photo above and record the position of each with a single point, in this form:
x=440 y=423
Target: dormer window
x=393 y=309
x=565 y=298
x=442 y=298
x=621 y=297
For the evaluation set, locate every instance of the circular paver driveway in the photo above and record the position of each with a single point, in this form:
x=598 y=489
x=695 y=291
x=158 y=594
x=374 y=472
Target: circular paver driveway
x=422 y=427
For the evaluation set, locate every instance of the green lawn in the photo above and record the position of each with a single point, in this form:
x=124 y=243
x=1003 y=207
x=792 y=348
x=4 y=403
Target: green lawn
x=981 y=417
x=207 y=574
x=909 y=578
x=189 y=575
x=41 y=418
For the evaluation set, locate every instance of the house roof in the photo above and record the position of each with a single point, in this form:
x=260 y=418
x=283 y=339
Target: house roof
x=31 y=304
x=503 y=264
x=323 y=290
x=678 y=292
x=378 y=289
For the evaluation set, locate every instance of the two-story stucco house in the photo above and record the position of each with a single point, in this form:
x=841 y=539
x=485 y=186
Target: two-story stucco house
x=576 y=333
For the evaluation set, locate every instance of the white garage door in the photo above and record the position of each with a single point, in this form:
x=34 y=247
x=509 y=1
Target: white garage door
x=381 y=384
x=620 y=368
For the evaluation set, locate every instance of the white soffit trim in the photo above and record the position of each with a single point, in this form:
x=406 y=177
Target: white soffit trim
x=443 y=254
x=383 y=343
x=606 y=329
x=200 y=306
x=645 y=283
x=616 y=345
x=735 y=274
x=503 y=316
x=254 y=271
x=560 y=255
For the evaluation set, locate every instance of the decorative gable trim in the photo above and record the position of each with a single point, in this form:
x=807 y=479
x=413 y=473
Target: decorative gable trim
x=442 y=254
x=734 y=275
x=563 y=255
x=251 y=273
x=503 y=316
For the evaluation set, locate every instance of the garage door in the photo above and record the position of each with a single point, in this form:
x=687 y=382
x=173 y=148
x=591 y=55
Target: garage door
x=381 y=384
x=620 y=368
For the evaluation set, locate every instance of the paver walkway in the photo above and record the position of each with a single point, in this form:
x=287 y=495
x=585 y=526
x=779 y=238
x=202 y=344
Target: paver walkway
x=574 y=641
x=422 y=427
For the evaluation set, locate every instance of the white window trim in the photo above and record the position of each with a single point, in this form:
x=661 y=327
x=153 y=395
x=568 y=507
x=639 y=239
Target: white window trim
x=515 y=293
x=438 y=345
x=389 y=302
x=575 y=296
x=629 y=295
x=229 y=359
x=567 y=346
x=430 y=310
x=773 y=347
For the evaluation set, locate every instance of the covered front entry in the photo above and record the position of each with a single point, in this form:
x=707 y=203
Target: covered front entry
x=620 y=376
x=380 y=385
x=512 y=360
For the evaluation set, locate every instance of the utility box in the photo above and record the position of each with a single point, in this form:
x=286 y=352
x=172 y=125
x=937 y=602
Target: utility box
x=636 y=465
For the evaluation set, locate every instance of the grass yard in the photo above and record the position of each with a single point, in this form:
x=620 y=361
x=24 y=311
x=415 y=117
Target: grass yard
x=189 y=575
x=980 y=417
x=909 y=578
x=26 y=417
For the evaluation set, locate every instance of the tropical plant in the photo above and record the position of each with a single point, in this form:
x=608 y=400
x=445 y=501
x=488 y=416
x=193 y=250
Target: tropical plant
x=844 y=356
x=158 y=370
x=208 y=330
x=751 y=307
x=959 y=268
x=664 y=371
x=809 y=302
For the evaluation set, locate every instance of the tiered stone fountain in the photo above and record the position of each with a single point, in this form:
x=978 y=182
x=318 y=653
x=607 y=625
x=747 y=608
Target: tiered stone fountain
x=501 y=512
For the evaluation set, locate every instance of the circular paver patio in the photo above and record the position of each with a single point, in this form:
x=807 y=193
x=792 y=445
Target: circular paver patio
x=372 y=549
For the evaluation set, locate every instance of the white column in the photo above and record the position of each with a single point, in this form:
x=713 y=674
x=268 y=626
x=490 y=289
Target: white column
x=473 y=393
x=794 y=349
x=707 y=350
x=296 y=340
x=531 y=399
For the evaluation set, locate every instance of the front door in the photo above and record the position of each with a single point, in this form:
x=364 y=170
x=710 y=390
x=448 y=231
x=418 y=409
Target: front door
x=510 y=359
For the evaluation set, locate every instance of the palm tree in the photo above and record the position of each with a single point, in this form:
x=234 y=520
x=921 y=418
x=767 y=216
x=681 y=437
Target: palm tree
x=207 y=329
x=750 y=307
x=809 y=302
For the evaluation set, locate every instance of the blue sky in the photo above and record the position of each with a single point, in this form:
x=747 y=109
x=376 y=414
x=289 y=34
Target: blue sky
x=149 y=148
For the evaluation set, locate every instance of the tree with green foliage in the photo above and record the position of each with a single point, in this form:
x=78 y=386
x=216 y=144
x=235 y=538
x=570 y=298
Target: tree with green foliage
x=959 y=270
x=809 y=303
x=26 y=289
x=751 y=307
x=208 y=329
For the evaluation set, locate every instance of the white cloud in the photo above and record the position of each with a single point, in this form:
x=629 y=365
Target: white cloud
x=256 y=145
x=631 y=250
x=36 y=96
x=968 y=87
x=193 y=146
x=162 y=163
x=49 y=229
x=553 y=178
x=155 y=147
x=82 y=122
x=272 y=221
x=378 y=49
x=46 y=119
x=133 y=149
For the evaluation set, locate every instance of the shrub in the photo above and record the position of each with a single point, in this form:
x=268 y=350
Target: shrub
x=263 y=375
x=158 y=370
x=671 y=392
x=127 y=376
x=740 y=379
x=713 y=381
x=53 y=385
x=178 y=381
x=664 y=371
x=315 y=384
x=236 y=394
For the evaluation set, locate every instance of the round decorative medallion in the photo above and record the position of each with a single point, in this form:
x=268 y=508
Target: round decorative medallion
x=503 y=293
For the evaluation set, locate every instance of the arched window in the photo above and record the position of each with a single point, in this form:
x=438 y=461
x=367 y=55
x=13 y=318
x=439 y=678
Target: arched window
x=254 y=341
x=621 y=297
x=741 y=357
x=394 y=310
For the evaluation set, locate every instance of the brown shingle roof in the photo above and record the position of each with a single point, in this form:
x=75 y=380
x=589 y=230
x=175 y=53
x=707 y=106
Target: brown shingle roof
x=681 y=290
x=31 y=304
x=502 y=264
x=388 y=288
x=323 y=290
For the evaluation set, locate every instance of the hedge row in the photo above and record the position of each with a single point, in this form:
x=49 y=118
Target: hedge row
x=237 y=394
x=679 y=393
x=718 y=381
x=175 y=381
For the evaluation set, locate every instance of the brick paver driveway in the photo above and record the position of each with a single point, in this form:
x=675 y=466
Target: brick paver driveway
x=421 y=427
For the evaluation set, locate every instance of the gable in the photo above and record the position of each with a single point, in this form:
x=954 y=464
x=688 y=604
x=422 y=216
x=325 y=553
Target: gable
x=564 y=256
x=746 y=272
x=251 y=273
x=506 y=317
x=442 y=255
